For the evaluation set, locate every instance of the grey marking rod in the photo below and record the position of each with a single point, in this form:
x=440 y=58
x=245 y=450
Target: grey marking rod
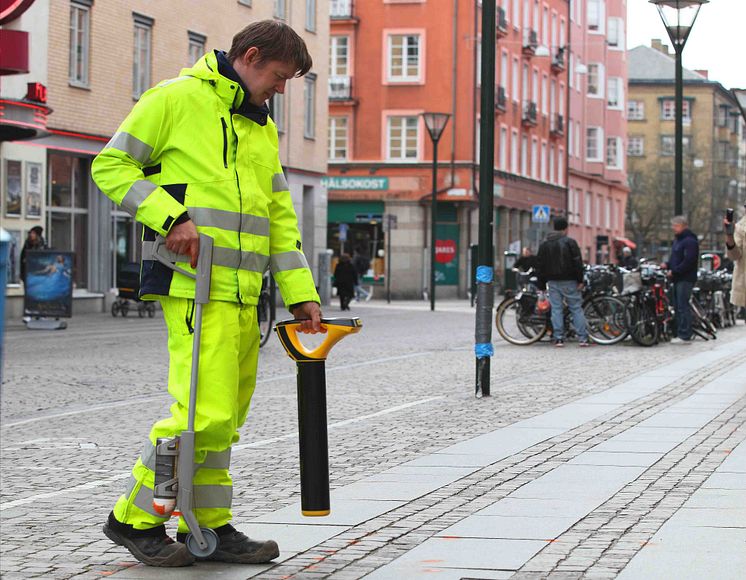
x=201 y=542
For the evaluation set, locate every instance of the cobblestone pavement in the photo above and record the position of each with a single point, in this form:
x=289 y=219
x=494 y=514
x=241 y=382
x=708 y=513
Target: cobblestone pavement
x=413 y=454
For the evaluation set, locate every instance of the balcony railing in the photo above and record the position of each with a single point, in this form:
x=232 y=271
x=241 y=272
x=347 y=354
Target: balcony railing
x=340 y=88
x=340 y=9
x=530 y=41
x=529 y=113
x=501 y=101
x=501 y=21
x=558 y=61
x=558 y=125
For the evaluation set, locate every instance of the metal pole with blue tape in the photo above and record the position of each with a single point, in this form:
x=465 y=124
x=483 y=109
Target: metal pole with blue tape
x=486 y=254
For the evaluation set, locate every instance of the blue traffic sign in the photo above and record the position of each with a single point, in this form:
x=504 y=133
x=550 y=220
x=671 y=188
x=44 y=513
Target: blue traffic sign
x=540 y=214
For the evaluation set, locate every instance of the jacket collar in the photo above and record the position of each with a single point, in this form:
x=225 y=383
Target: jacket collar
x=215 y=69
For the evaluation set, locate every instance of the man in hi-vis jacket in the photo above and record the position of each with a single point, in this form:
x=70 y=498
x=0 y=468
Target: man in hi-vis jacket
x=199 y=154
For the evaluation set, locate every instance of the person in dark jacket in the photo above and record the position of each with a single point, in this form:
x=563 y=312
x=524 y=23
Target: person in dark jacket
x=34 y=241
x=627 y=260
x=561 y=269
x=527 y=261
x=682 y=269
x=345 y=279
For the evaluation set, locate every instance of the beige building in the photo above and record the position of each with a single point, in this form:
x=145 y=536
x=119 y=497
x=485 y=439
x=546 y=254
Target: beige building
x=95 y=58
x=714 y=145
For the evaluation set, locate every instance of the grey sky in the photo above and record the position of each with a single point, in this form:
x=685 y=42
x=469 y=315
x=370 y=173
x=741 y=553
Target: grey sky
x=717 y=42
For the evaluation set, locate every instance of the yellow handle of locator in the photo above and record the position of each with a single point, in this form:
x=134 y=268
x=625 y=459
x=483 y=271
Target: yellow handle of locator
x=336 y=330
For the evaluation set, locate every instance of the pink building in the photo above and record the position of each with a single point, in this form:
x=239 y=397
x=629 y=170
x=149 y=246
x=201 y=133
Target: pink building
x=597 y=127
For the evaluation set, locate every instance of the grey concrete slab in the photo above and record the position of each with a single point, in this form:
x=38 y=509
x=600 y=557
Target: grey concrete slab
x=343 y=512
x=453 y=460
x=485 y=554
x=517 y=507
x=730 y=517
x=503 y=442
x=717 y=498
x=385 y=490
x=573 y=481
x=726 y=481
x=671 y=418
x=567 y=416
x=676 y=434
x=506 y=527
x=619 y=459
x=691 y=553
x=625 y=446
x=451 y=574
x=291 y=537
x=413 y=474
x=735 y=462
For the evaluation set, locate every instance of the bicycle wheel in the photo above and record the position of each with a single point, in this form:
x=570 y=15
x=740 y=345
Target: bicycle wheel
x=643 y=323
x=264 y=316
x=519 y=323
x=605 y=318
x=699 y=318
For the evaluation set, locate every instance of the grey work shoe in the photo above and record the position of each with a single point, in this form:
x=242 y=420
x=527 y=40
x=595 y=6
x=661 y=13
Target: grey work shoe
x=237 y=548
x=152 y=547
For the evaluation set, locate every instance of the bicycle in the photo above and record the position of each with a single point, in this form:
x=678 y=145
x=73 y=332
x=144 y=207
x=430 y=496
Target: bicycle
x=265 y=308
x=648 y=314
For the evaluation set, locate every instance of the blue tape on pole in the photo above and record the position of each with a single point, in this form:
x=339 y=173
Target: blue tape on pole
x=485 y=274
x=484 y=349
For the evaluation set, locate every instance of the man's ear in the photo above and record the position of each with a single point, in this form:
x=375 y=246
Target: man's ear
x=251 y=55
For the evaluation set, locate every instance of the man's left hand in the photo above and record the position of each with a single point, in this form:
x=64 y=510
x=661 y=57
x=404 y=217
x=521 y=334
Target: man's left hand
x=310 y=313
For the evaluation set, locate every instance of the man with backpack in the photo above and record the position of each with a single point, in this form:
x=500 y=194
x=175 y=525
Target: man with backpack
x=561 y=269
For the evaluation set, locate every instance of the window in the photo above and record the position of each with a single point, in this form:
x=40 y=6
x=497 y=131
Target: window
x=544 y=98
x=561 y=167
x=337 y=138
x=577 y=139
x=479 y=61
x=570 y=139
x=614 y=152
x=534 y=159
x=504 y=73
x=635 y=110
x=141 y=57
x=514 y=153
x=516 y=80
x=402 y=138
x=594 y=144
x=636 y=146
x=404 y=57
x=339 y=56
x=595 y=15
x=668 y=110
x=543 y=174
x=196 y=47
x=552 y=98
x=615 y=34
x=595 y=80
x=311 y=15
x=277 y=108
x=615 y=93
x=551 y=164
x=309 y=106
x=503 y=148
x=80 y=29
x=279 y=9
x=545 y=27
x=588 y=208
x=668 y=145
x=516 y=11
x=535 y=87
x=526 y=81
x=607 y=213
x=524 y=155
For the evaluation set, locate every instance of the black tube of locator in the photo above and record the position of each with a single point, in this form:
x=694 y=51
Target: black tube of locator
x=314 y=444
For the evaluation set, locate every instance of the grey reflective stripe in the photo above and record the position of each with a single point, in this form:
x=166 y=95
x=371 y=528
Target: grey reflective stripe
x=229 y=220
x=217 y=460
x=143 y=499
x=148 y=456
x=137 y=194
x=287 y=261
x=279 y=183
x=131 y=145
x=169 y=81
x=213 y=496
x=225 y=257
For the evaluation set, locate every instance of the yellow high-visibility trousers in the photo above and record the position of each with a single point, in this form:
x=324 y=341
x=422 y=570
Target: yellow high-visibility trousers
x=227 y=376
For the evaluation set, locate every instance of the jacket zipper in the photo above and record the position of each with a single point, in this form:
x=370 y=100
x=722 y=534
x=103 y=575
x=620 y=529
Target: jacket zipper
x=225 y=141
x=240 y=204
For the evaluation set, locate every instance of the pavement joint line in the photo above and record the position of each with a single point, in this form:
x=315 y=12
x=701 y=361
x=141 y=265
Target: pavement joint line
x=83 y=486
x=645 y=407
x=150 y=398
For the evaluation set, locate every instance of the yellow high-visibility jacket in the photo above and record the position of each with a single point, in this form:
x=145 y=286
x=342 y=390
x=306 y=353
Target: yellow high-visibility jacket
x=195 y=144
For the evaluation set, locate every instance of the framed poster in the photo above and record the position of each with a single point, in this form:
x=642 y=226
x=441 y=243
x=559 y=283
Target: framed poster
x=14 y=260
x=13 y=188
x=49 y=284
x=33 y=190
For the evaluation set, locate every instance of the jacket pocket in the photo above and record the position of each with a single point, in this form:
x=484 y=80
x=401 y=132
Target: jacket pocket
x=225 y=142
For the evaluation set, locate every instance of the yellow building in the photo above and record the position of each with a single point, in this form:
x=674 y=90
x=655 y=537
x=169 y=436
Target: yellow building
x=714 y=163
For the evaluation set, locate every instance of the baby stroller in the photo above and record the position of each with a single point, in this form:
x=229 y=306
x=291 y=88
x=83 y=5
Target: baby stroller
x=128 y=286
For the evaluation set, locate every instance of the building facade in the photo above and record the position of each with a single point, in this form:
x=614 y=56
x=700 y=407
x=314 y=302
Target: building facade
x=597 y=127
x=714 y=144
x=391 y=61
x=95 y=59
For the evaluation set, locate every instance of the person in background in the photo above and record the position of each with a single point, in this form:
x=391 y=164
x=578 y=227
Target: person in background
x=682 y=266
x=527 y=261
x=627 y=260
x=735 y=247
x=345 y=280
x=361 y=262
x=34 y=241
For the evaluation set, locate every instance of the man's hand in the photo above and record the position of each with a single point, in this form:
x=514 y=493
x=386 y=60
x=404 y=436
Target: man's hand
x=183 y=239
x=664 y=265
x=581 y=285
x=310 y=313
x=728 y=227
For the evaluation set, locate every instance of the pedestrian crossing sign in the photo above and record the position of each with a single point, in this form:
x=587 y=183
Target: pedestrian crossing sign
x=540 y=214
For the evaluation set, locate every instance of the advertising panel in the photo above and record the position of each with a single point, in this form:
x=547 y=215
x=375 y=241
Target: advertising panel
x=49 y=284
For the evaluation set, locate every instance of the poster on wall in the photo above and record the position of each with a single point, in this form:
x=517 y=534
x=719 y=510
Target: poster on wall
x=49 y=284
x=13 y=188
x=14 y=260
x=446 y=254
x=33 y=190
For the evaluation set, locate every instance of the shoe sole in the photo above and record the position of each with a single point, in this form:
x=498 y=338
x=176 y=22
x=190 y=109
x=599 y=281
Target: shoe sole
x=177 y=559
x=268 y=552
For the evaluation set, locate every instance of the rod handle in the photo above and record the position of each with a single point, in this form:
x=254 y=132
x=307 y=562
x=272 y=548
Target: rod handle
x=337 y=329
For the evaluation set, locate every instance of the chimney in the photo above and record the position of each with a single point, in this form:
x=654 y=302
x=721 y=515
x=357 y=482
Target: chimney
x=705 y=73
x=659 y=46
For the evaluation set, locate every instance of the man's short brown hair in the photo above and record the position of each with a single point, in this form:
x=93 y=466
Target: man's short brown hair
x=275 y=41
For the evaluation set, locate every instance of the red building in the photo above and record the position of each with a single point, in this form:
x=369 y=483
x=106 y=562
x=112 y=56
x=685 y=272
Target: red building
x=391 y=61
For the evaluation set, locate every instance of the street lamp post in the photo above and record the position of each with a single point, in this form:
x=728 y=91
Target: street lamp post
x=678 y=17
x=435 y=123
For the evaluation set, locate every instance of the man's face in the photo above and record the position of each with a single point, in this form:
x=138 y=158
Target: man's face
x=264 y=78
x=32 y=236
x=678 y=228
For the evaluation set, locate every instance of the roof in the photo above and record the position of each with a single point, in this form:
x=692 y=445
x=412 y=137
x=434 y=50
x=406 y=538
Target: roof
x=648 y=64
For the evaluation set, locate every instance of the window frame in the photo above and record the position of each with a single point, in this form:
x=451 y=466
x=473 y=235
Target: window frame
x=619 y=90
x=632 y=149
x=309 y=107
x=145 y=25
x=195 y=39
x=404 y=116
x=311 y=12
x=617 y=149
x=80 y=7
x=635 y=110
x=404 y=78
x=599 y=140
x=333 y=126
x=600 y=81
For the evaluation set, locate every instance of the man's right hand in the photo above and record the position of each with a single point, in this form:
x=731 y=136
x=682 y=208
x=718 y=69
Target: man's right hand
x=728 y=227
x=183 y=239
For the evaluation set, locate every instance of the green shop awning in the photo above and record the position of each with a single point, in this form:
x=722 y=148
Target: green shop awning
x=350 y=212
